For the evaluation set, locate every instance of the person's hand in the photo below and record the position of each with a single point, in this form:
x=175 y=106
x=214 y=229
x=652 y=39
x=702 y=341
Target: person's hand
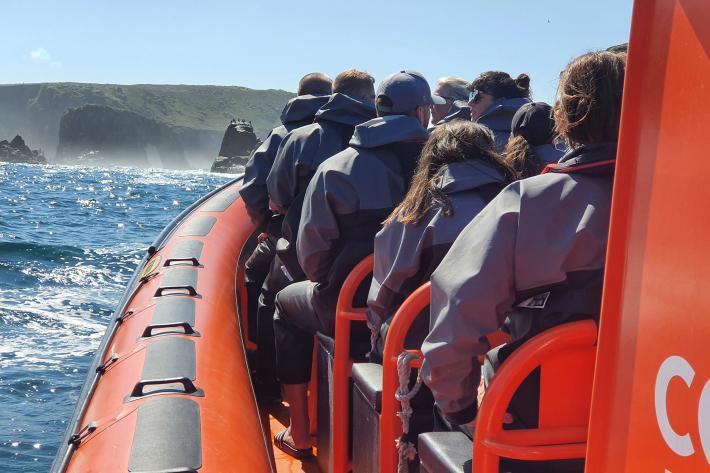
x=262 y=236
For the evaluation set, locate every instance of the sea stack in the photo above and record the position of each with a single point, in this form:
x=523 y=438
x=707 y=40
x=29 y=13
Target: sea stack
x=237 y=145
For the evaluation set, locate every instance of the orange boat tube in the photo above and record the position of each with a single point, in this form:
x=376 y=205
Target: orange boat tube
x=169 y=389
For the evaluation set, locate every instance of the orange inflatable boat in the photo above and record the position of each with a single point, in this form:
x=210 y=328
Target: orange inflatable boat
x=170 y=391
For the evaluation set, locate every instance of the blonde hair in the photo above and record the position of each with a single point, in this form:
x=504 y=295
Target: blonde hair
x=453 y=88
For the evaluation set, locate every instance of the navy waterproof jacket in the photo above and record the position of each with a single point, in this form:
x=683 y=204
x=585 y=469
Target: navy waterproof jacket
x=298 y=112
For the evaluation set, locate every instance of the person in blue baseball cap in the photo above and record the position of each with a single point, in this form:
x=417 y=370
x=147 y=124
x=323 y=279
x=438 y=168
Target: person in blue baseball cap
x=406 y=93
x=347 y=200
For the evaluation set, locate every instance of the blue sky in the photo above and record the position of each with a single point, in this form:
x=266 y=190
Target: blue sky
x=267 y=45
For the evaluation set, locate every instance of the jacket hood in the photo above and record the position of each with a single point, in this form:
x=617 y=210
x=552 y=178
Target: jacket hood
x=588 y=154
x=468 y=175
x=303 y=107
x=385 y=130
x=499 y=116
x=549 y=153
x=459 y=111
x=347 y=110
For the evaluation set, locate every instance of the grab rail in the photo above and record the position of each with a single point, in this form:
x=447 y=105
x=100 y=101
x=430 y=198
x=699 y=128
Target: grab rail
x=565 y=355
x=345 y=315
x=66 y=448
x=390 y=425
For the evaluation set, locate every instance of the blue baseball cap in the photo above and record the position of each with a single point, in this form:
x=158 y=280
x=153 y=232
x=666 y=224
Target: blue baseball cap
x=406 y=90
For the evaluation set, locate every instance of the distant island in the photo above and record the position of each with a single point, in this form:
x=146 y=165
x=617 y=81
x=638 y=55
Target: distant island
x=173 y=126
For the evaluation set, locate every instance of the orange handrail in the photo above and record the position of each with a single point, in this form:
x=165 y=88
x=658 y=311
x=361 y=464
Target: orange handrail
x=560 y=435
x=390 y=425
x=345 y=314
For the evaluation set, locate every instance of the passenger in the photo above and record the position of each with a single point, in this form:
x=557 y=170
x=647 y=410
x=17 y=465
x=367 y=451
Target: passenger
x=458 y=174
x=313 y=92
x=534 y=257
x=532 y=143
x=302 y=151
x=494 y=98
x=345 y=203
x=450 y=101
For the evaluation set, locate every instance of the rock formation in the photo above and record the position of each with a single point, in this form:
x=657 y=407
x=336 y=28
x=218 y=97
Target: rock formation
x=17 y=151
x=101 y=135
x=197 y=114
x=237 y=145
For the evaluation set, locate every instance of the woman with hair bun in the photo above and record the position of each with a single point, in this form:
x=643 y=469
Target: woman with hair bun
x=494 y=98
x=531 y=146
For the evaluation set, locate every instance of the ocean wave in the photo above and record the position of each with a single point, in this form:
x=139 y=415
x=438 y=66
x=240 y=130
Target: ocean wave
x=70 y=240
x=38 y=251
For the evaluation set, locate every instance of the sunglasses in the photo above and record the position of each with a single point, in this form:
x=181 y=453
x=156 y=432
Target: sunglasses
x=475 y=96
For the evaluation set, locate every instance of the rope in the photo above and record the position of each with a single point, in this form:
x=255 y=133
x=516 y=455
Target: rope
x=406 y=450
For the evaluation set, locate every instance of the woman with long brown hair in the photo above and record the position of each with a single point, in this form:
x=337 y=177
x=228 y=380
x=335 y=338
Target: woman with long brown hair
x=534 y=257
x=458 y=173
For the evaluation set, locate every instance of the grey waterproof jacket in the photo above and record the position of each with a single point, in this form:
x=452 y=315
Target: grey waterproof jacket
x=298 y=112
x=350 y=196
x=499 y=118
x=298 y=157
x=406 y=255
x=533 y=258
x=459 y=111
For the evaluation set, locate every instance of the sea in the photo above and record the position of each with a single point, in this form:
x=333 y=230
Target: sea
x=70 y=240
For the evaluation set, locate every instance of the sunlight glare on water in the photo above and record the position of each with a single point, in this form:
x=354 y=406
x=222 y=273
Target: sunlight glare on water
x=70 y=239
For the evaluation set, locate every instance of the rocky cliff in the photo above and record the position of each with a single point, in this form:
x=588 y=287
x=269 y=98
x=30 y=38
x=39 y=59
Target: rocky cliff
x=197 y=114
x=237 y=144
x=17 y=151
x=101 y=135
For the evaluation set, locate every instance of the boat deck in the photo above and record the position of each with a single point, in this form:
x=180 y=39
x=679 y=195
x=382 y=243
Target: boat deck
x=277 y=415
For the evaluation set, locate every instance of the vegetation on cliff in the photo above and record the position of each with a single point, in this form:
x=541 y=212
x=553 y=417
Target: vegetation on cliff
x=34 y=110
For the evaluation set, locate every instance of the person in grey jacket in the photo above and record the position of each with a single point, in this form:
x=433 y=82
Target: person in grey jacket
x=494 y=98
x=459 y=172
x=532 y=143
x=314 y=91
x=534 y=257
x=304 y=149
x=349 y=196
x=453 y=92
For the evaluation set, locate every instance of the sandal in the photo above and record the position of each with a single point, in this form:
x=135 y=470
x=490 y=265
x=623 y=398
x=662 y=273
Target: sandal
x=288 y=449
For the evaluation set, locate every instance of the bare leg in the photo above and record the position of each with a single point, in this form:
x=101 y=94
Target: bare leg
x=298 y=433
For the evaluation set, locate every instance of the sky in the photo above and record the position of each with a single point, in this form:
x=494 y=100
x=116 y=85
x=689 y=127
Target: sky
x=271 y=44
